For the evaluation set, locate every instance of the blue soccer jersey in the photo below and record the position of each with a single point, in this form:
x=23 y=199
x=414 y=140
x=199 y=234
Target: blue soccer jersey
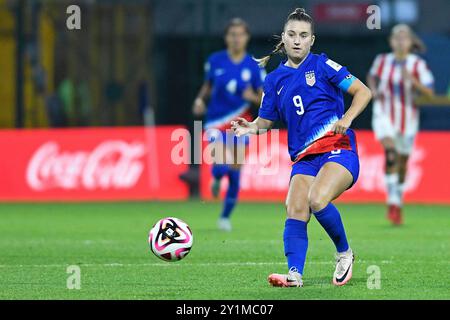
x=228 y=81
x=309 y=101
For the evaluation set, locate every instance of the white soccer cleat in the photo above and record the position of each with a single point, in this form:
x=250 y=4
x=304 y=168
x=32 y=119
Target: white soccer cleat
x=344 y=267
x=292 y=279
x=224 y=224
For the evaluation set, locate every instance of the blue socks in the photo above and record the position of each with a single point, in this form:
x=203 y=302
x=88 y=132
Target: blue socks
x=219 y=170
x=330 y=219
x=296 y=237
x=232 y=193
x=295 y=243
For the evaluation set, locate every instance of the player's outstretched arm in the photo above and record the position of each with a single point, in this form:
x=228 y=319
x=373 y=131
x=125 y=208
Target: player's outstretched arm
x=372 y=84
x=199 y=105
x=242 y=127
x=423 y=90
x=361 y=97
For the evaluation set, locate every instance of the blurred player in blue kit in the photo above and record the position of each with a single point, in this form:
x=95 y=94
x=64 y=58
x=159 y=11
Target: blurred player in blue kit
x=305 y=92
x=233 y=81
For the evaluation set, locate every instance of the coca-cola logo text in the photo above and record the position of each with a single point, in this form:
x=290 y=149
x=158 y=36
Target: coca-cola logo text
x=113 y=164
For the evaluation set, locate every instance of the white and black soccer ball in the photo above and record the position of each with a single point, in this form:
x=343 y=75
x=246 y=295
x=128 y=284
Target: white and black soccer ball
x=170 y=239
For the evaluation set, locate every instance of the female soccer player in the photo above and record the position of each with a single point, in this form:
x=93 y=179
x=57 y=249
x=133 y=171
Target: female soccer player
x=233 y=81
x=305 y=91
x=394 y=80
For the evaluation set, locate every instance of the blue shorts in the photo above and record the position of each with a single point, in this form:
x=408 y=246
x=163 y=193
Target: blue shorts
x=311 y=164
x=227 y=138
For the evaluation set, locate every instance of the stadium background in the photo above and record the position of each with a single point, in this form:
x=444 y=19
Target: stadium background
x=122 y=84
x=136 y=58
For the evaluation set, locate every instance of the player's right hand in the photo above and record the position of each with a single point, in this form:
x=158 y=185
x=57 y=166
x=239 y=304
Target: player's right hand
x=241 y=127
x=198 y=108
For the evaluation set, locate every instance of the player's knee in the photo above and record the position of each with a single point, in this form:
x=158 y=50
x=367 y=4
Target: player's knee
x=318 y=199
x=391 y=158
x=403 y=162
x=299 y=211
x=402 y=166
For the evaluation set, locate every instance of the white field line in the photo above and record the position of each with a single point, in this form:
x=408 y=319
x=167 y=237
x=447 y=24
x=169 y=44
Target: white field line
x=205 y=264
x=167 y=264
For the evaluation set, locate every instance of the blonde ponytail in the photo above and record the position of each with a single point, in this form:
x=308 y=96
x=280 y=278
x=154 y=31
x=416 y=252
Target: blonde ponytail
x=262 y=62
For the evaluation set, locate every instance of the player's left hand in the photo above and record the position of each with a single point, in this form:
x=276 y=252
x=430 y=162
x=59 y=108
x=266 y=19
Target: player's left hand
x=341 y=126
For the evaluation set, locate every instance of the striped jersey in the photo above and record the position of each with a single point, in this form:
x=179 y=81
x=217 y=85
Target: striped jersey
x=396 y=100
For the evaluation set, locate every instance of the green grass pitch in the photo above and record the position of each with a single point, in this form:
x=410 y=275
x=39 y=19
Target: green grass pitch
x=108 y=241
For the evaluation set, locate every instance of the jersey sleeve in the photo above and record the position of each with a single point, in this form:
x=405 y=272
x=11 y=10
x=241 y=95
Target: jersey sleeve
x=336 y=74
x=208 y=69
x=425 y=76
x=268 y=109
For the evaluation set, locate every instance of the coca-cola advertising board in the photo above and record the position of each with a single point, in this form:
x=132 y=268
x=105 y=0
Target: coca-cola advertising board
x=427 y=178
x=89 y=164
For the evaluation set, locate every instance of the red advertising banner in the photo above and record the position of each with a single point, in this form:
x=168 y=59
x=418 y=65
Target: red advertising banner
x=340 y=12
x=427 y=179
x=89 y=164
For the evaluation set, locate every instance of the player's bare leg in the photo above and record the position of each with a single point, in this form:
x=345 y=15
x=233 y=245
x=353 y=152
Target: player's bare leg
x=402 y=167
x=297 y=208
x=331 y=181
x=392 y=179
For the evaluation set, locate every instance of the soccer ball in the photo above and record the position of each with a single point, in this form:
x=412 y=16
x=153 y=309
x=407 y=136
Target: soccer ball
x=170 y=239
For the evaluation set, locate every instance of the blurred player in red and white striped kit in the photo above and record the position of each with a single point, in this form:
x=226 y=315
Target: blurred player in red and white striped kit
x=395 y=79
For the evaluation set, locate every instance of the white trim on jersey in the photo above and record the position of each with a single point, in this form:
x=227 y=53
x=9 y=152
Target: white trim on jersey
x=318 y=133
x=226 y=119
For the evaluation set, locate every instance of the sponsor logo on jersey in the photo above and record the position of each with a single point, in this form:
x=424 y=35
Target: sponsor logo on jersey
x=336 y=66
x=310 y=78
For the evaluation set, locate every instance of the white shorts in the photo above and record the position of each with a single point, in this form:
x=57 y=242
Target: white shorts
x=383 y=128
